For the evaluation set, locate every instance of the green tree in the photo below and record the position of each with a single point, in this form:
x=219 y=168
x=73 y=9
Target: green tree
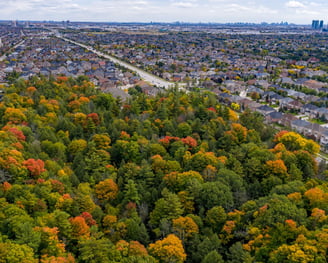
x=238 y=254
x=216 y=194
x=168 y=207
x=131 y=193
x=213 y=257
x=97 y=251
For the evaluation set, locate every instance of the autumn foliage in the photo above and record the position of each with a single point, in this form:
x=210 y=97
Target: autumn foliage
x=175 y=177
x=106 y=190
x=80 y=228
x=170 y=249
x=36 y=167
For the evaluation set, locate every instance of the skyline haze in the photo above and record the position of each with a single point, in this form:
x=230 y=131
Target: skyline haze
x=216 y=11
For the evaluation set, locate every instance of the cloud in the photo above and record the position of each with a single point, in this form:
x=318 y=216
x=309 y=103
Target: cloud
x=294 y=4
x=307 y=12
x=295 y=11
x=184 y=4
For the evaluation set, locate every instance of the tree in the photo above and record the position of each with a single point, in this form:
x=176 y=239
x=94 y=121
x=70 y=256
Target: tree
x=170 y=250
x=97 y=251
x=184 y=130
x=276 y=168
x=80 y=229
x=106 y=190
x=216 y=194
x=131 y=193
x=76 y=146
x=216 y=217
x=101 y=141
x=317 y=198
x=179 y=181
x=184 y=227
x=238 y=254
x=277 y=209
x=237 y=134
x=199 y=161
x=169 y=207
x=137 y=231
x=210 y=243
x=294 y=141
x=213 y=257
x=132 y=248
x=36 y=167
x=15 y=253
x=14 y=115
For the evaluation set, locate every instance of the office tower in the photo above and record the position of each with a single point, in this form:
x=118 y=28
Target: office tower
x=315 y=24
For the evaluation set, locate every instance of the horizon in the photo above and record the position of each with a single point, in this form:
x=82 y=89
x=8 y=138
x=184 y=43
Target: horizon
x=168 y=11
x=264 y=23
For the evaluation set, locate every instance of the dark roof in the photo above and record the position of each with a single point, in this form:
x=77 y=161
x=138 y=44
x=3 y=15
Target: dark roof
x=265 y=108
x=225 y=95
x=277 y=97
x=310 y=106
x=300 y=123
x=276 y=115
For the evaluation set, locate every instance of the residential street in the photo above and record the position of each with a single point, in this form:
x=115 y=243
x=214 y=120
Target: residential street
x=144 y=75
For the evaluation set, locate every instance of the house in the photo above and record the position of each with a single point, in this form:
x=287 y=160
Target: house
x=265 y=110
x=274 y=117
x=316 y=131
x=314 y=84
x=224 y=97
x=309 y=110
x=286 y=80
x=287 y=119
x=118 y=93
x=322 y=113
x=295 y=105
x=285 y=101
x=324 y=139
x=324 y=89
x=302 y=126
x=276 y=98
x=262 y=83
x=151 y=91
x=254 y=89
x=247 y=103
x=1 y=94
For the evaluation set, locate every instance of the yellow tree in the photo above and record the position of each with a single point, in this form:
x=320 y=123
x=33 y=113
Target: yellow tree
x=102 y=141
x=179 y=181
x=184 y=227
x=169 y=250
x=14 y=115
x=276 y=168
x=294 y=141
x=106 y=190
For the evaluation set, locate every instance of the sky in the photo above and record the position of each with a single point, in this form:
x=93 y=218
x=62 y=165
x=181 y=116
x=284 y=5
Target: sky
x=220 y=11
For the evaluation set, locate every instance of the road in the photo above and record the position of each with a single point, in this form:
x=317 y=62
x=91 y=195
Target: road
x=12 y=48
x=144 y=75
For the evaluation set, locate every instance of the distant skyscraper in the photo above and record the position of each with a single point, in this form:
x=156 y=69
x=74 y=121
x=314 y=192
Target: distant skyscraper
x=315 y=24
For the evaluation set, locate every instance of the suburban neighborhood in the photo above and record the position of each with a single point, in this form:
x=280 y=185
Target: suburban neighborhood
x=283 y=77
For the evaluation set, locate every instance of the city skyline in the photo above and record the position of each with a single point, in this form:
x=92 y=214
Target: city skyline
x=216 y=11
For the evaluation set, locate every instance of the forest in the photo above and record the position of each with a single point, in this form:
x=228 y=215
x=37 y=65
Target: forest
x=85 y=177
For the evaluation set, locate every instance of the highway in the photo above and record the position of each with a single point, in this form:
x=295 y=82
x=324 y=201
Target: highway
x=144 y=75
